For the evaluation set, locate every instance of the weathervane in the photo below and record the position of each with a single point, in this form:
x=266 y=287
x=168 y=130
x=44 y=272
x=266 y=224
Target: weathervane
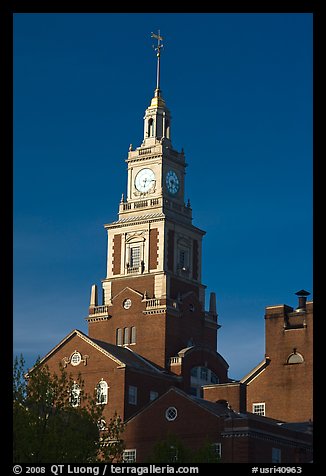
x=158 y=54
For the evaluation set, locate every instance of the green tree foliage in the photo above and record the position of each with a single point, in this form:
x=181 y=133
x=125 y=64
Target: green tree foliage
x=172 y=450
x=112 y=445
x=54 y=421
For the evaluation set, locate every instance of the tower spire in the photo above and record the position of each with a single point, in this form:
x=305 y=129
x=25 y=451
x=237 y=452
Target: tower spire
x=158 y=55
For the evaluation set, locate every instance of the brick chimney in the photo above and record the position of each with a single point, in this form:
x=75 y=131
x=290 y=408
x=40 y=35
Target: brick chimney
x=302 y=299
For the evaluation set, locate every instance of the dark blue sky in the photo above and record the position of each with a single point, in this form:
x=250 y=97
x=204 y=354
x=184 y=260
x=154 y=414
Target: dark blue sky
x=239 y=88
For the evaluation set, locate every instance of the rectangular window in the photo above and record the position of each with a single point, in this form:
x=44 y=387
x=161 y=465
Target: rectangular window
x=153 y=395
x=132 y=395
x=129 y=456
x=135 y=257
x=276 y=455
x=258 y=408
x=217 y=448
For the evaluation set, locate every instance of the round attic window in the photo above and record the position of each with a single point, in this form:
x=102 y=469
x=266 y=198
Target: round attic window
x=75 y=358
x=127 y=303
x=171 y=413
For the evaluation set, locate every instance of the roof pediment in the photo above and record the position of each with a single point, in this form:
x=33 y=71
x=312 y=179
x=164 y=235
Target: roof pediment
x=122 y=356
x=85 y=338
x=127 y=289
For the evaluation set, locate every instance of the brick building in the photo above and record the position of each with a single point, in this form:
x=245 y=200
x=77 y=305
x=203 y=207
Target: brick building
x=152 y=344
x=281 y=385
x=237 y=437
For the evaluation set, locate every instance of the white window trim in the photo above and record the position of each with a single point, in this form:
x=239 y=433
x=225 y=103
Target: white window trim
x=168 y=413
x=255 y=408
x=104 y=391
x=75 y=395
x=127 y=453
x=218 y=448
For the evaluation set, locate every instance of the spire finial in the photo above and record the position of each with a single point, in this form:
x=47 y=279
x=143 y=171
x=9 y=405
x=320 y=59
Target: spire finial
x=158 y=54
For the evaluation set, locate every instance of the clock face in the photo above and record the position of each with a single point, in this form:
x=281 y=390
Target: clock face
x=172 y=182
x=145 y=180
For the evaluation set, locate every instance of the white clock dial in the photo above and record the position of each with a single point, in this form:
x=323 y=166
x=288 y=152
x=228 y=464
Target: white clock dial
x=172 y=182
x=145 y=180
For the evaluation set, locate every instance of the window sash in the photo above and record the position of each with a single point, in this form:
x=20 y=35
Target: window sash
x=129 y=456
x=258 y=408
x=132 y=395
x=134 y=256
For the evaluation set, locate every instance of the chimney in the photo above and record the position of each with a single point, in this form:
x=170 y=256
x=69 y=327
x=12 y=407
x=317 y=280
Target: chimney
x=302 y=298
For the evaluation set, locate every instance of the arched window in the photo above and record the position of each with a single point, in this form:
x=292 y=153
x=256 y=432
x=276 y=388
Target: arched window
x=201 y=376
x=126 y=335
x=102 y=393
x=167 y=128
x=119 y=336
x=150 y=128
x=133 y=335
x=101 y=424
x=75 y=395
x=295 y=358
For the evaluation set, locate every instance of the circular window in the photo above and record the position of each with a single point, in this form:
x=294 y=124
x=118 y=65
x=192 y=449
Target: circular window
x=127 y=303
x=76 y=358
x=171 y=413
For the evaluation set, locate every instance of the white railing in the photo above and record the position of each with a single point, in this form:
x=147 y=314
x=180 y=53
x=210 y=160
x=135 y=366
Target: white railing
x=153 y=303
x=100 y=310
x=175 y=360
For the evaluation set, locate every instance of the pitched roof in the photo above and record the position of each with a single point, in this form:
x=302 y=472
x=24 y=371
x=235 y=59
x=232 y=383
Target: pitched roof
x=129 y=357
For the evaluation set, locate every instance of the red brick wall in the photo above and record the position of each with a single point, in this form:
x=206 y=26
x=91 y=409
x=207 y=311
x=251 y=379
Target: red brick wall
x=287 y=390
x=144 y=384
x=178 y=286
x=192 y=425
x=242 y=441
x=150 y=328
x=98 y=366
x=233 y=393
x=139 y=283
x=190 y=326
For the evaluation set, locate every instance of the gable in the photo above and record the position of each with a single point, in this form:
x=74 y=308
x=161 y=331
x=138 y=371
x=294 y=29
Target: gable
x=69 y=344
x=174 y=397
x=192 y=420
x=126 y=291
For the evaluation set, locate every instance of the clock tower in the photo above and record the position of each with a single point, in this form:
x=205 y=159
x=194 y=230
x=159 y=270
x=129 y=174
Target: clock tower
x=153 y=297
